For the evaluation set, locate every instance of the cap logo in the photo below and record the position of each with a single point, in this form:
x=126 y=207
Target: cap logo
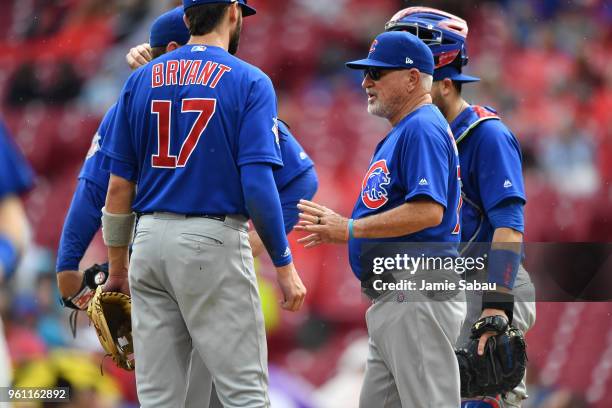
x=373 y=46
x=409 y=61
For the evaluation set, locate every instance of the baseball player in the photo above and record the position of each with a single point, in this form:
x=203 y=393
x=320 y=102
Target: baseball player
x=410 y=194
x=84 y=215
x=492 y=183
x=297 y=179
x=196 y=132
x=16 y=178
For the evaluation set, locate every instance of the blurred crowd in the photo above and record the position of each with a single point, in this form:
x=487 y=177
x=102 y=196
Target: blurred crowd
x=544 y=66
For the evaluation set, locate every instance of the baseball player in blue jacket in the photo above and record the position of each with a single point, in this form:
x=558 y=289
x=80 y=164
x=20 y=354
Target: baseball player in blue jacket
x=408 y=199
x=192 y=148
x=297 y=179
x=493 y=191
x=16 y=178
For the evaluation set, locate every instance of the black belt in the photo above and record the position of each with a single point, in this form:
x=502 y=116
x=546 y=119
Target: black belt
x=367 y=286
x=210 y=216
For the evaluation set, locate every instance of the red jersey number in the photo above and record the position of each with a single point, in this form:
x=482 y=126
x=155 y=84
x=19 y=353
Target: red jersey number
x=163 y=110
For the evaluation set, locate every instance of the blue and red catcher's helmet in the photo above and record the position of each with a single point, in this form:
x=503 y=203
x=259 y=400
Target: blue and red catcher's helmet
x=443 y=32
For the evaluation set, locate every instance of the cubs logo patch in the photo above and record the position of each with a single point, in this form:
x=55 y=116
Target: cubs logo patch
x=373 y=192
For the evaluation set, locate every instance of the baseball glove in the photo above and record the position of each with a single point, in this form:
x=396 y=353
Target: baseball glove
x=502 y=366
x=110 y=313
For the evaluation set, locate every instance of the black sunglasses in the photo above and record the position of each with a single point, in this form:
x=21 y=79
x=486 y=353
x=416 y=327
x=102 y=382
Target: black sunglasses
x=376 y=73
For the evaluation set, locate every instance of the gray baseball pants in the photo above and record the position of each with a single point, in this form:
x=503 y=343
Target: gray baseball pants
x=524 y=318
x=194 y=290
x=411 y=361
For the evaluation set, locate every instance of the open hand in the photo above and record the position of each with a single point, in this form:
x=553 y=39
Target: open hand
x=325 y=225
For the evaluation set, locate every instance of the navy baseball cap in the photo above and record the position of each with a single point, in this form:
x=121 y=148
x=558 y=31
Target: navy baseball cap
x=246 y=9
x=397 y=49
x=454 y=73
x=169 y=27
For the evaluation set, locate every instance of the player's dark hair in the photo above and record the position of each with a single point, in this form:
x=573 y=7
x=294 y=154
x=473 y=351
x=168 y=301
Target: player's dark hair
x=458 y=86
x=457 y=63
x=157 y=51
x=204 y=18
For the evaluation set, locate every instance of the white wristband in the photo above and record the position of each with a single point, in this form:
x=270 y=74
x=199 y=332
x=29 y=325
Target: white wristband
x=117 y=229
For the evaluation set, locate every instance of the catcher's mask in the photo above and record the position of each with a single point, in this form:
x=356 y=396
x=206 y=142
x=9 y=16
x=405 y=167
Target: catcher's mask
x=444 y=33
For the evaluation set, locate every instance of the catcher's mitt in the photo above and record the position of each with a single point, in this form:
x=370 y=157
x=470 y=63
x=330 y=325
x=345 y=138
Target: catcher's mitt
x=110 y=313
x=502 y=366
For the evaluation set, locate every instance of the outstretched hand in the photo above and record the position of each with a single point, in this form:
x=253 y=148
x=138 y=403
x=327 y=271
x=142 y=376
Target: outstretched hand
x=325 y=225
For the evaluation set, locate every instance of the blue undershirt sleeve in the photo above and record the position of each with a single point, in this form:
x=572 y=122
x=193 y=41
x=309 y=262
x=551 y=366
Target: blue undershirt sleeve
x=302 y=187
x=264 y=207
x=508 y=214
x=81 y=224
x=503 y=264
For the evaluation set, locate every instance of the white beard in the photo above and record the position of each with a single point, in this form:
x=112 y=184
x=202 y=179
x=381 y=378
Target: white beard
x=376 y=108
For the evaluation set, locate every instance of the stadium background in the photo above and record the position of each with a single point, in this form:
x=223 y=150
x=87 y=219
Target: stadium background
x=544 y=65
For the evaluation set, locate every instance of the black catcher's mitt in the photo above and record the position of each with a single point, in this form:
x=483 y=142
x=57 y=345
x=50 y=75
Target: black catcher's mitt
x=502 y=366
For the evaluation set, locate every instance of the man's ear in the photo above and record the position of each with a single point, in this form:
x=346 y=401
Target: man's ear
x=234 y=12
x=415 y=77
x=172 y=45
x=186 y=20
x=447 y=86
